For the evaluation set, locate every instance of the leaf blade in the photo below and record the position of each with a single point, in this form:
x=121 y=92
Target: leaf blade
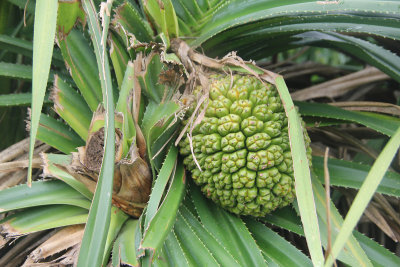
x=43 y=39
x=365 y=193
x=96 y=230
x=41 y=193
x=229 y=230
x=165 y=217
x=301 y=169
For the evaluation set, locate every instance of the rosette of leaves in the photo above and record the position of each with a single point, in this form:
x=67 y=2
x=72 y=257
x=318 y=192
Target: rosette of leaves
x=174 y=230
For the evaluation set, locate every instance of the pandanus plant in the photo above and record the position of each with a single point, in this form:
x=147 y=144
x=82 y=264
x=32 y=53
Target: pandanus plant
x=117 y=191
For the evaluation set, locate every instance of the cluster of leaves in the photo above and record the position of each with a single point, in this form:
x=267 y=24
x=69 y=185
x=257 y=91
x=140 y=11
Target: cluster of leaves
x=179 y=226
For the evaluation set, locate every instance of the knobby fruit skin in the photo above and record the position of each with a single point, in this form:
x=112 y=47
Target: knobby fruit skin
x=242 y=147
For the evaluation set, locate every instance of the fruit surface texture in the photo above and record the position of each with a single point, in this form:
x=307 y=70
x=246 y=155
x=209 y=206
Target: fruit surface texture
x=239 y=154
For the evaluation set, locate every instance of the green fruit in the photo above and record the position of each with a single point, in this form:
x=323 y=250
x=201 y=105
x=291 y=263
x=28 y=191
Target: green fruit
x=242 y=147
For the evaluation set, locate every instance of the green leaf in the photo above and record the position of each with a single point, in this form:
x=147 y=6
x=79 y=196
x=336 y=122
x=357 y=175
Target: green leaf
x=81 y=62
x=174 y=251
x=155 y=12
x=285 y=218
x=148 y=78
x=276 y=247
x=160 y=260
x=71 y=107
x=16 y=71
x=375 y=55
x=228 y=229
x=43 y=218
x=191 y=244
x=95 y=235
x=381 y=123
x=236 y=20
x=171 y=19
x=23 y=99
x=219 y=252
x=156 y=119
x=164 y=140
x=124 y=251
x=126 y=87
x=19 y=71
x=127 y=19
x=43 y=42
x=124 y=106
x=302 y=176
x=41 y=193
x=69 y=12
x=193 y=8
x=58 y=135
x=30 y=6
x=186 y=19
x=52 y=168
x=165 y=217
x=203 y=4
x=290 y=221
x=160 y=184
x=353 y=254
x=365 y=194
x=379 y=255
x=16 y=45
x=118 y=218
x=23 y=47
x=119 y=57
x=351 y=174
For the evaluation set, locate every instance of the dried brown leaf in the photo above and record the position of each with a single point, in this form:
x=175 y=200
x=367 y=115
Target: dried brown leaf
x=62 y=240
x=20 y=164
x=342 y=85
x=370 y=106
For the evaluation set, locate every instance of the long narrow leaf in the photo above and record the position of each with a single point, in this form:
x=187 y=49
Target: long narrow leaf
x=228 y=229
x=285 y=218
x=290 y=221
x=276 y=247
x=365 y=194
x=71 y=107
x=236 y=19
x=43 y=218
x=379 y=255
x=160 y=184
x=128 y=83
x=81 y=61
x=166 y=215
x=43 y=40
x=118 y=218
x=17 y=71
x=52 y=168
x=119 y=57
x=301 y=169
x=129 y=20
x=23 y=99
x=192 y=245
x=23 y=47
x=351 y=174
x=124 y=251
x=384 y=124
x=41 y=193
x=219 y=252
x=353 y=254
x=94 y=238
x=56 y=134
x=156 y=120
x=173 y=249
x=375 y=55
